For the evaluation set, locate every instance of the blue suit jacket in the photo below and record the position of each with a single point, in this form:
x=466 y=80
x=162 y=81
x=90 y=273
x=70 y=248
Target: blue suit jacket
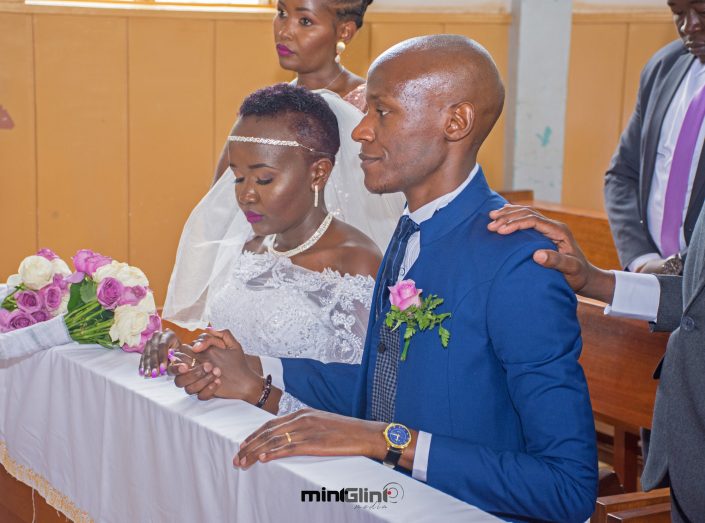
x=506 y=403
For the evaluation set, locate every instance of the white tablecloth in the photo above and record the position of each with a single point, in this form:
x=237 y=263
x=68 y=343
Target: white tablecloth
x=100 y=442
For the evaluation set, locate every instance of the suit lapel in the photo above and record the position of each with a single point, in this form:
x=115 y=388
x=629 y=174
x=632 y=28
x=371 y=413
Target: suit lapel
x=695 y=264
x=697 y=196
x=665 y=95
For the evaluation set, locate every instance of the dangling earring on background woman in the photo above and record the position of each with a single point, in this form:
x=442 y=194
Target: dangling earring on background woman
x=339 y=49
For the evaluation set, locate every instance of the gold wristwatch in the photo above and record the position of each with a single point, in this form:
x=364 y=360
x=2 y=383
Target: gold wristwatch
x=398 y=437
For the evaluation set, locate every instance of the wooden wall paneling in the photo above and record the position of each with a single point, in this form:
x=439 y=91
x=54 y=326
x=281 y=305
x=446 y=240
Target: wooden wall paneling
x=644 y=39
x=18 y=175
x=384 y=35
x=594 y=109
x=81 y=90
x=171 y=85
x=357 y=57
x=495 y=38
x=245 y=60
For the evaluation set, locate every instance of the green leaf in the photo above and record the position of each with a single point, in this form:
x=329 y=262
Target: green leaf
x=75 y=297
x=445 y=336
x=88 y=291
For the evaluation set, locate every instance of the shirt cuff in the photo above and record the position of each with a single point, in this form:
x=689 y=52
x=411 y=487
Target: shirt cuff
x=641 y=260
x=274 y=367
x=636 y=296
x=423 y=449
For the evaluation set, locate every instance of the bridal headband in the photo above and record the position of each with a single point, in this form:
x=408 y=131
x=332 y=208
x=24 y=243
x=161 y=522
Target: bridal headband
x=271 y=141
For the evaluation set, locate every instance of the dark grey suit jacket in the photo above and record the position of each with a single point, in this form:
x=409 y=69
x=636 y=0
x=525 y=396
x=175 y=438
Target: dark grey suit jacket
x=678 y=429
x=628 y=179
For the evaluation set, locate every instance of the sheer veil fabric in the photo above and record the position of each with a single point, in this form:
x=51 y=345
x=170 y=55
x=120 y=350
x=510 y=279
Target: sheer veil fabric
x=216 y=231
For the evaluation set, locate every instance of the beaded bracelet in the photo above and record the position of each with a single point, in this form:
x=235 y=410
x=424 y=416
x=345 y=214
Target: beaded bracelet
x=265 y=392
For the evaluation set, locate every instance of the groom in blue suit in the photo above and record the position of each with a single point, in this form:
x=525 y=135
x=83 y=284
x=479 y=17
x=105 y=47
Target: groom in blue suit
x=499 y=418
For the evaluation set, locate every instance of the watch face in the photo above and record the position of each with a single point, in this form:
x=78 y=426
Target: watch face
x=398 y=435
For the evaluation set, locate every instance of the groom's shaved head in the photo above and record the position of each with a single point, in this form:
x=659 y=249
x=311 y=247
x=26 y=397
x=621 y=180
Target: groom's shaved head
x=432 y=102
x=447 y=69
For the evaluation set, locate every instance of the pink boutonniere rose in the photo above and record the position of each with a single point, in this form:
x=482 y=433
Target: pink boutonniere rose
x=408 y=308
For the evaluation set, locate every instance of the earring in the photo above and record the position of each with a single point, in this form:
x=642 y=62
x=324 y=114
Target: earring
x=339 y=49
x=315 y=195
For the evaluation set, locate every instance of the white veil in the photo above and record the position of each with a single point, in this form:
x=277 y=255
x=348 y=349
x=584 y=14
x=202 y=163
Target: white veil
x=216 y=230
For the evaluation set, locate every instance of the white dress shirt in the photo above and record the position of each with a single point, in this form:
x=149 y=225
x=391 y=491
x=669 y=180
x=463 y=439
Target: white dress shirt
x=274 y=366
x=693 y=80
x=636 y=296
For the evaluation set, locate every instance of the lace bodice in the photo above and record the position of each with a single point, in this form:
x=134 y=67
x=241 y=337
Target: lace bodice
x=276 y=308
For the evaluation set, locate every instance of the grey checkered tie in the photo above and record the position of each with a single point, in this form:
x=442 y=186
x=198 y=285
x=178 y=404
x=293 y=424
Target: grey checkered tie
x=384 y=381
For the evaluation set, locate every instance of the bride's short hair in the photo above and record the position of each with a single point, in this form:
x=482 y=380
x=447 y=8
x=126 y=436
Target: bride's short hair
x=306 y=113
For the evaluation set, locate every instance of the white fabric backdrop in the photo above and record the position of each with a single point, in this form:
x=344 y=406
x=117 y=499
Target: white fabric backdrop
x=125 y=449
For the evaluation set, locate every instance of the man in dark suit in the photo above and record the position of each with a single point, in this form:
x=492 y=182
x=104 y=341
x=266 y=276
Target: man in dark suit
x=655 y=185
x=670 y=303
x=499 y=418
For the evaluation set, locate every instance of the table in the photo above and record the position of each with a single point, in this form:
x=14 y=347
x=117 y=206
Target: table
x=101 y=443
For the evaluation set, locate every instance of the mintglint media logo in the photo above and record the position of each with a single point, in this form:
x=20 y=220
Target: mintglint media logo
x=361 y=497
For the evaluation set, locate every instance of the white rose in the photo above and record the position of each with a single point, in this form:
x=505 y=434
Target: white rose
x=108 y=271
x=14 y=281
x=128 y=326
x=64 y=307
x=59 y=266
x=36 y=272
x=131 y=276
x=147 y=304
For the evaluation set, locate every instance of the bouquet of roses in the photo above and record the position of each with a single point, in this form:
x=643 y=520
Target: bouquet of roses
x=110 y=303
x=38 y=292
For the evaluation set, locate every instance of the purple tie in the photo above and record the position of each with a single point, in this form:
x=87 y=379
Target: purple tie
x=680 y=173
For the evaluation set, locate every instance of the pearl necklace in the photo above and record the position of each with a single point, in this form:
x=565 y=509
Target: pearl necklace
x=307 y=244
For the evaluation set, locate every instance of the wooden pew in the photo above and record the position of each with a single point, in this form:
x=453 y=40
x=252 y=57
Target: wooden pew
x=619 y=357
x=590 y=228
x=636 y=507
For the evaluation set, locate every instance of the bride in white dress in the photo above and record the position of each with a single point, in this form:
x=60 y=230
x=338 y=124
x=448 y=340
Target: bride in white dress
x=296 y=281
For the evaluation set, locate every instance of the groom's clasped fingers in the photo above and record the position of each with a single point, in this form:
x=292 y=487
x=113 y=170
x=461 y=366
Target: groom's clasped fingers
x=201 y=379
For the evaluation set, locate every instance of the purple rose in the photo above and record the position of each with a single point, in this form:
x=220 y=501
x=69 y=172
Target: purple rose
x=133 y=295
x=4 y=320
x=47 y=253
x=40 y=316
x=60 y=282
x=87 y=261
x=29 y=301
x=139 y=348
x=110 y=291
x=52 y=296
x=19 y=319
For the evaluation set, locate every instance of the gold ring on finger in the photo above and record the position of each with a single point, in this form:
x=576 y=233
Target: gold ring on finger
x=288 y=437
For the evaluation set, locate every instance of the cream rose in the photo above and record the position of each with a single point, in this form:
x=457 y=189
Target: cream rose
x=64 y=307
x=108 y=271
x=128 y=326
x=147 y=304
x=14 y=281
x=36 y=272
x=132 y=276
x=59 y=267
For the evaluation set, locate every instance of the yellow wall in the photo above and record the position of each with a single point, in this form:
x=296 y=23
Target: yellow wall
x=607 y=54
x=120 y=114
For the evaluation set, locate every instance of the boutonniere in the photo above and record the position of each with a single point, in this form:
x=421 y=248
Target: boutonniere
x=408 y=307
